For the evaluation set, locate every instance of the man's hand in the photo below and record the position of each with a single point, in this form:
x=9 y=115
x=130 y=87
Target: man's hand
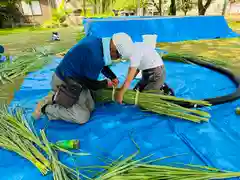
x=47 y=100
x=37 y=112
x=114 y=83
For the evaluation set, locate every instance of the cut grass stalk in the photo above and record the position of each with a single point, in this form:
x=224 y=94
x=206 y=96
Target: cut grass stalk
x=131 y=168
x=59 y=172
x=21 y=66
x=18 y=136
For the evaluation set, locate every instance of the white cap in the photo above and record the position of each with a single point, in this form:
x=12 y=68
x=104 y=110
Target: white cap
x=123 y=43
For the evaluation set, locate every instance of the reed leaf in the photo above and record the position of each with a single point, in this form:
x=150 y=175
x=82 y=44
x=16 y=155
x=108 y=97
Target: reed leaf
x=19 y=136
x=135 y=169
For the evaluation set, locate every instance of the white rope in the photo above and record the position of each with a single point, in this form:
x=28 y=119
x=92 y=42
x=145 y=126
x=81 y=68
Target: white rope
x=136 y=97
x=113 y=93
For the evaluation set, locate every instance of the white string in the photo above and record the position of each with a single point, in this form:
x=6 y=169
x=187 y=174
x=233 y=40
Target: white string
x=136 y=97
x=113 y=93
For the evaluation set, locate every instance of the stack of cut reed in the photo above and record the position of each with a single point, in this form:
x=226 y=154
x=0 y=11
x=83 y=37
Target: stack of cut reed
x=19 y=136
x=158 y=103
x=131 y=168
x=21 y=66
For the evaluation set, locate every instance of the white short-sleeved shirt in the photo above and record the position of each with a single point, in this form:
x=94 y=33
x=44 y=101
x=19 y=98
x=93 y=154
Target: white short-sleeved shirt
x=144 y=57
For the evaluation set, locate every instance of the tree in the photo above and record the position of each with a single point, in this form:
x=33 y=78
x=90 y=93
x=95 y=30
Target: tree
x=172 y=8
x=186 y=5
x=203 y=8
x=224 y=7
x=84 y=7
x=101 y=6
x=9 y=12
x=158 y=6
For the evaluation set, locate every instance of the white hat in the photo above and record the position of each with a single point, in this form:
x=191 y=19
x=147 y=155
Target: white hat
x=123 y=43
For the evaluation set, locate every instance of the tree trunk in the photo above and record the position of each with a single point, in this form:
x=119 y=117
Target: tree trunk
x=160 y=7
x=203 y=8
x=101 y=6
x=84 y=8
x=95 y=7
x=50 y=10
x=224 y=7
x=173 y=9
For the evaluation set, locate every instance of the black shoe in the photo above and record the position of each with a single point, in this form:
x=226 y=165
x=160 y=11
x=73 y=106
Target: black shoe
x=167 y=91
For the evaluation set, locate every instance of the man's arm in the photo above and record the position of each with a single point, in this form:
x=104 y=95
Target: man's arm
x=132 y=71
x=136 y=73
x=94 y=84
x=107 y=72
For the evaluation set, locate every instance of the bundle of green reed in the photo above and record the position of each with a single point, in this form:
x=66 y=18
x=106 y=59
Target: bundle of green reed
x=132 y=168
x=158 y=104
x=21 y=66
x=18 y=135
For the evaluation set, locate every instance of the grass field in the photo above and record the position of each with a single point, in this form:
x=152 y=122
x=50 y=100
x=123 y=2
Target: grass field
x=227 y=50
x=21 y=41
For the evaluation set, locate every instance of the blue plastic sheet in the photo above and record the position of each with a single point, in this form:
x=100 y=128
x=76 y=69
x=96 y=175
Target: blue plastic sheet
x=168 y=29
x=107 y=133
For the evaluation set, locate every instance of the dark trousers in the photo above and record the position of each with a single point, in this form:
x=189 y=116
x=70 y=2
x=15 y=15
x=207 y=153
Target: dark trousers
x=153 y=79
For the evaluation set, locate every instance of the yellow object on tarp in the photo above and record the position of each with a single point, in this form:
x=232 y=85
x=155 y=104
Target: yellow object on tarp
x=69 y=144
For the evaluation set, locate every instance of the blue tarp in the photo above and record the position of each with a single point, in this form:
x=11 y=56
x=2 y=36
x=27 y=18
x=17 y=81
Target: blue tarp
x=107 y=133
x=168 y=29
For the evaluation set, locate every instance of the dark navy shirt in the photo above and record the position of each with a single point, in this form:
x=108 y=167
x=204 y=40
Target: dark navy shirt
x=83 y=60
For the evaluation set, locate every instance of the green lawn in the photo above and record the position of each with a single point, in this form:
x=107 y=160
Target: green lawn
x=8 y=31
x=22 y=40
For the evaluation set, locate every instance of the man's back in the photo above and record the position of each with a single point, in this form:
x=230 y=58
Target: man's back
x=145 y=56
x=85 y=59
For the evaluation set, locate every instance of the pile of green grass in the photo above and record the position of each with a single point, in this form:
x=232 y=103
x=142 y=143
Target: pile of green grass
x=133 y=168
x=22 y=65
x=19 y=135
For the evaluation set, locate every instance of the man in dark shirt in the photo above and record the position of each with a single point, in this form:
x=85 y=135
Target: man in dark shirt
x=83 y=63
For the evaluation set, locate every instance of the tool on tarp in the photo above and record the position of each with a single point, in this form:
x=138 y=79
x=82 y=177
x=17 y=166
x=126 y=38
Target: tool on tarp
x=237 y=110
x=68 y=144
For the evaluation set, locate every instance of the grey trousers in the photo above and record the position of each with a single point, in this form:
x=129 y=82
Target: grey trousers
x=78 y=113
x=152 y=79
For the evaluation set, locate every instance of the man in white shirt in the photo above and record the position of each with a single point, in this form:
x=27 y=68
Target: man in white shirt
x=145 y=58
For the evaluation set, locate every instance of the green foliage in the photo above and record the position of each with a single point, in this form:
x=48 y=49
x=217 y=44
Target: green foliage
x=102 y=6
x=129 y=4
x=28 y=1
x=21 y=66
x=185 y=5
x=103 y=15
x=59 y=16
x=9 y=11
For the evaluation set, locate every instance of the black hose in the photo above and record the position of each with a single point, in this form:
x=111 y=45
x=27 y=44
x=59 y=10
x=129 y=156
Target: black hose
x=216 y=100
